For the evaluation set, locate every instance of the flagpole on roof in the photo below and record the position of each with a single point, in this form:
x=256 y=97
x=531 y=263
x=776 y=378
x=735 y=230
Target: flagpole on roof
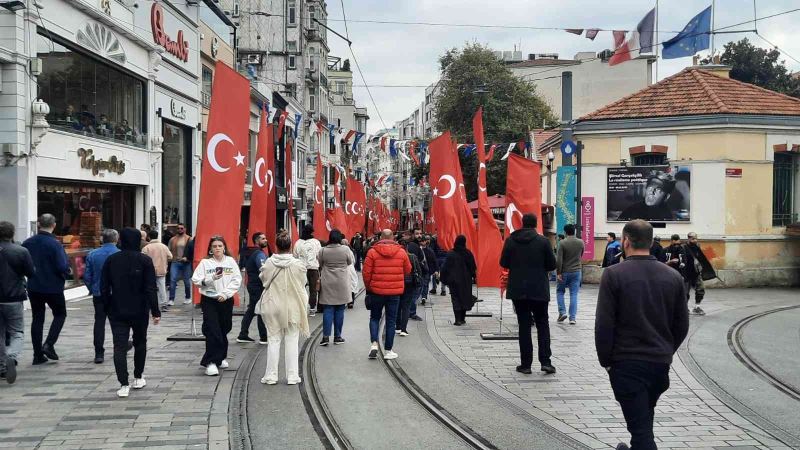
x=713 y=26
x=657 y=46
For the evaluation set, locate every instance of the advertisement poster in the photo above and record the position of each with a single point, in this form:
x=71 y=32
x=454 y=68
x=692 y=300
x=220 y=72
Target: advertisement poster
x=565 y=197
x=652 y=193
x=587 y=230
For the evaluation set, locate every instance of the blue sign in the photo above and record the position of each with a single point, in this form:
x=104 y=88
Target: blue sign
x=566 y=188
x=568 y=148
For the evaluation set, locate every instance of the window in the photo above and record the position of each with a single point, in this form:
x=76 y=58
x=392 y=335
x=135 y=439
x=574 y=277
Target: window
x=301 y=165
x=291 y=46
x=312 y=102
x=208 y=78
x=650 y=159
x=292 y=14
x=89 y=96
x=235 y=8
x=784 y=171
x=312 y=13
x=292 y=62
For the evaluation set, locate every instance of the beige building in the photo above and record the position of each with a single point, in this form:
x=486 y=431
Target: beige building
x=734 y=151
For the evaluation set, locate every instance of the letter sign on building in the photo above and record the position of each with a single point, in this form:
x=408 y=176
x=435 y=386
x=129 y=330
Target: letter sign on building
x=180 y=47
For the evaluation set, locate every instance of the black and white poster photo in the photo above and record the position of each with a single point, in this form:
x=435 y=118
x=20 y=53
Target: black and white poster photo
x=652 y=193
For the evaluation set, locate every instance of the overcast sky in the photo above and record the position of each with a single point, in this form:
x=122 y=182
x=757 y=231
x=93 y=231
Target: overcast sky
x=408 y=54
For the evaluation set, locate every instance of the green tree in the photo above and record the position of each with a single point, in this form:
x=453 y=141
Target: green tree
x=759 y=66
x=511 y=108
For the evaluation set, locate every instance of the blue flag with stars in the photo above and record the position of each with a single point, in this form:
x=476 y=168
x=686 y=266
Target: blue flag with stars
x=694 y=37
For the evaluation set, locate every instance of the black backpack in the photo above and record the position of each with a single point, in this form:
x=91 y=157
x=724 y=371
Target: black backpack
x=416 y=269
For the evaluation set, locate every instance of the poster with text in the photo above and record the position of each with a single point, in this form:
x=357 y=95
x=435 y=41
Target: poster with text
x=652 y=193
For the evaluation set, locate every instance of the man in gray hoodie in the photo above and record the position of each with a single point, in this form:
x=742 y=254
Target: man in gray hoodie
x=568 y=270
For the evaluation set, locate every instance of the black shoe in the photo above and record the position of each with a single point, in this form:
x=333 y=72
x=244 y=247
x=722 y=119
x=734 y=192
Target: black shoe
x=443 y=293
x=130 y=345
x=415 y=317
x=525 y=370
x=562 y=317
x=49 y=352
x=263 y=341
x=338 y=340
x=41 y=359
x=324 y=342
x=458 y=323
x=11 y=370
x=245 y=340
x=432 y=291
x=350 y=305
x=622 y=446
x=423 y=301
x=98 y=359
x=549 y=369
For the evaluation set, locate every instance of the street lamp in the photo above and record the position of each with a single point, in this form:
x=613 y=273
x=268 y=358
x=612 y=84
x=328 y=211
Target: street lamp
x=550 y=157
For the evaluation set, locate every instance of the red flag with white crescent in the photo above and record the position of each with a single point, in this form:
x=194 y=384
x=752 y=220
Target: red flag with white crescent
x=490 y=244
x=282 y=123
x=355 y=204
x=262 y=200
x=293 y=234
x=523 y=192
x=320 y=230
x=447 y=201
x=339 y=220
x=224 y=165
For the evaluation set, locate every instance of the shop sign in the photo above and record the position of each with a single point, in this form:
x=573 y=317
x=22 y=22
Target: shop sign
x=587 y=227
x=88 y=161
x=733 y=172
x=180 y=47
x=177 y=111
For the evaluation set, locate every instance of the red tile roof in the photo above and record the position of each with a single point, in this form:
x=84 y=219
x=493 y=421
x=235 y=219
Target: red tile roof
x=698 y=92
x=543 y=62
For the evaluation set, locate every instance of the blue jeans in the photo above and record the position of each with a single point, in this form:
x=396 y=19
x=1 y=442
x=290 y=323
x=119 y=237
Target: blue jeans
x=404 y=307
x=333 y=315
x=377 y=304
x=12 y=323
x=184 y=270
x=571 y=280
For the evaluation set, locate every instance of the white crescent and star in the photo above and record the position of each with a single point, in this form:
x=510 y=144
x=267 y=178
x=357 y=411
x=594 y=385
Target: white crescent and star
x=481 y=166
x=212 y=152
x=318 y=195
x=257 y=175
x=453 y=186
x=328 y=225
x=347 y=207
x=271 y=180
x=511 y=209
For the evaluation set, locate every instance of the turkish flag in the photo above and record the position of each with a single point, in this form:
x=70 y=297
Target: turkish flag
x=339 y=221
x=395 y=220
x=523 y=192
x=282 y=123
x=290 y=192
x=354 y=205
x=262 y=201
x=465 y=219
x=320 y=229
x=446 y=203
x=490 y=244
x=223 y=168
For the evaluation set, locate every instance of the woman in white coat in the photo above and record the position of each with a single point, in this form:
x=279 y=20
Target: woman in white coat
x=283 y=309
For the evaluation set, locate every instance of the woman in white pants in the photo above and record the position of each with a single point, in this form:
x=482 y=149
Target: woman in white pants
x=283 y=309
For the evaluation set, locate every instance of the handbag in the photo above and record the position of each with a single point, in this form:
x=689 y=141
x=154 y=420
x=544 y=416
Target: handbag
x=257 y=309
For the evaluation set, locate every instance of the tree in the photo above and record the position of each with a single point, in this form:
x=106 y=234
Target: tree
x=759 y=66
x=511 y=108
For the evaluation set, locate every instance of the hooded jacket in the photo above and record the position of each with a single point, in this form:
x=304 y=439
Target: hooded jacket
x=128 y=281
x=19 y=265
x=385 y=268
x=528 y=257
x=284 y=300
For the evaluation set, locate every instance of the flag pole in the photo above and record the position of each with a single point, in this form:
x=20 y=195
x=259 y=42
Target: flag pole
x=713 y=26
x=656 y=40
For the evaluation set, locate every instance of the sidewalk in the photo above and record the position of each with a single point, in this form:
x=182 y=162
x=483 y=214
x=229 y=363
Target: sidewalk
x=578 y=399
x=72 y=403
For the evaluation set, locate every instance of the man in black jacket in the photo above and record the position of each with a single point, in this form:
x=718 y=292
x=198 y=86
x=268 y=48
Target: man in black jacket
x=253 y=259
x=529 y=258
x=128 y=289
x=641 y=321
x=15 y=264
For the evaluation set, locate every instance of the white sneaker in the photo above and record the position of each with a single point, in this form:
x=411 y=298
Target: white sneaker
x=312 y=313
x=390 y=355
x=211 y=370
x=224 y=364
x=268 y=381
x=373 y=351
x=404 y=333
x=396 y=331
x=188 y=301
x=123 y=391
x=293 y=382
x=138 y=383
x=172 y=303
x=572 y=322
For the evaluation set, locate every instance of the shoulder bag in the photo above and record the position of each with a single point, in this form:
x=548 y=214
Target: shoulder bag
x=257 y=309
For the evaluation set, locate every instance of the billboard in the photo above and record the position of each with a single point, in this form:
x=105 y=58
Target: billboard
x=565 y=197
x=652 y=193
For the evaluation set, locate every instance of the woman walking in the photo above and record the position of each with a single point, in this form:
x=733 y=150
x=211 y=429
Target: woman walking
x=334 y=293
x=218 y=278
x=283 y=309
x=458 y=273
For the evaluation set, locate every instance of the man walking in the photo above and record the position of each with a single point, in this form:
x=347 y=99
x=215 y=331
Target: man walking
x=255 y=287
x=528 y=257
x=568 y=271
x=92 y=276
x=46 y=287
x=641 y=321
x=385 y=269
x=613 y=252
x=358 y=248
x=306 y=249
x=698 y=269
x=433 y=269
x=160 y=254
x=15 y=264
x=412 y=241
x=128 y=288
x=181 y=265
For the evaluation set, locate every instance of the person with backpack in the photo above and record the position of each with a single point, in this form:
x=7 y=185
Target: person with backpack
x=613 y=252
x=334 y=286
x=413 y=241
x=458 y=273
x=411 y=285
x=15 y=264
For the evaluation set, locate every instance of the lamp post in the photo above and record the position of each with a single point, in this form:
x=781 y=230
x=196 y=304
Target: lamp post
x=550 y=157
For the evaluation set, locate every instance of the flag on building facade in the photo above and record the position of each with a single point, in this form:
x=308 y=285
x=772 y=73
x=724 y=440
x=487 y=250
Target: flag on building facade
x=320 y=231
x=292 y=225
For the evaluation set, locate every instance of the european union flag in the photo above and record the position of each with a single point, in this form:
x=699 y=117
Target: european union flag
x=694 y=37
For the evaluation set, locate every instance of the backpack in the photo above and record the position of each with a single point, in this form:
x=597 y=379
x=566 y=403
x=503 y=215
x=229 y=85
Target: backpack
x=416 y=269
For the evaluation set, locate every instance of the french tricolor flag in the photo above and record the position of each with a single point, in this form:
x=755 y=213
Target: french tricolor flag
x=640 y=40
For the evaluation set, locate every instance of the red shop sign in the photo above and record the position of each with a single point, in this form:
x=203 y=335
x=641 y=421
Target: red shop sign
x=179 y=48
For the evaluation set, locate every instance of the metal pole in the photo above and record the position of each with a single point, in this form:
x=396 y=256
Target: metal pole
x=713 y=25
x=578 y=152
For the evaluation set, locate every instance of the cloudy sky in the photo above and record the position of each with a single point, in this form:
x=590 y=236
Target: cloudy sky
x=408 y=54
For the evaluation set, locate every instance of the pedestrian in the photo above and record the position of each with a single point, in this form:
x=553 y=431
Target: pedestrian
x=160 y=255
x=129 y=292
x=255 y=288
x=414 y=245
x=283 y=308
x=657 y=250
x=334 y=286
x=675 y=255
x=433 y=269
x=181 y=267
x=698 y=270
x=641 y=321
x=218 y=277
x=441 y=255
x=568 y=271
x=15 y=265
x=351 y=272
x=385 y=269
x=410 y=286
x=46 y=287
x=358 y=248
x=458 y=273
x=306 y=250
x=529 y=257
x=93 y=277
x=145 y=239
x=613 y=251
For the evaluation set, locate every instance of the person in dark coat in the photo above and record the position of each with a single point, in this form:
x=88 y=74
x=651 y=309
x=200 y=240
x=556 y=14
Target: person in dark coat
x=458 y=274
x=433 y=268
x=529 y=258
x=657 y=250
x=129 y=292
x=698 y=270
x=251 y=261
x=441 y=255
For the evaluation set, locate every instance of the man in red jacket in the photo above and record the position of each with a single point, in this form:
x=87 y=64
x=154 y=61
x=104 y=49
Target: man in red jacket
x=384 y=273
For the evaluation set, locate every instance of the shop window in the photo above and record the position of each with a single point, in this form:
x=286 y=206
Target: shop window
x=176 y=175
x=650 y=159
x=784 y=186
x=89 y=96
x=208 y=79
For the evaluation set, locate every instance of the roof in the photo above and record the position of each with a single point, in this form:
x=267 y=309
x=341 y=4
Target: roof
x=542 y=62
x=698 y=92
x=495 y=201
x=540 y=138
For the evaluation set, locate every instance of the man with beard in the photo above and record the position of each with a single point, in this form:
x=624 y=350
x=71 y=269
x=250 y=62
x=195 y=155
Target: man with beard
x=257 y=257
x=654 y=206
x=698 y=269
x=675 y=255
x=181 y=265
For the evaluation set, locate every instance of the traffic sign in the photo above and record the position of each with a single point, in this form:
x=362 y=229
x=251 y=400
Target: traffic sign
x=568 y=148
